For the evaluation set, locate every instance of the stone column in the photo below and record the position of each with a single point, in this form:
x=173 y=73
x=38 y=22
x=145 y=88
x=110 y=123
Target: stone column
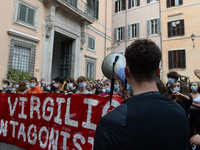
x=47 y=54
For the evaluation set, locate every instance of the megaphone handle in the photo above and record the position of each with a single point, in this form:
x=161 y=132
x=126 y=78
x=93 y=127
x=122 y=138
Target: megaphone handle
x=112 y=87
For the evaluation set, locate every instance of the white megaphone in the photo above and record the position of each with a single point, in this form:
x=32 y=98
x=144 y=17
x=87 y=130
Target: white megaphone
x=114 y=64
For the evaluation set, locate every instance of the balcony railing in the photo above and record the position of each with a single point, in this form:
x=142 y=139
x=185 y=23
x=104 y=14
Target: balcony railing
x=82 y=6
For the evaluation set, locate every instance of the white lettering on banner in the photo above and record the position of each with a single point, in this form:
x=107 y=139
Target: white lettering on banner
x=115 y=103
x=68 y=121
x=14 y=123
x=12 y=110
x=53 y=141
x=33 y=134
x=88 y=124
x=22 y=115
x=43 y=145
x=22 y=132
x=91 y=141
x=57 y=119
x=65 y=136
x=4 y=127
x=49 y=109
x=80 y=137
x=36 y=108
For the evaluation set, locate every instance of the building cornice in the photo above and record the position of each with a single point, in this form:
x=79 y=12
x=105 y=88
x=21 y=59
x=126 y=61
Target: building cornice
x=99 y=32
x=14 y=32
x=180 y=37
x=90 y=56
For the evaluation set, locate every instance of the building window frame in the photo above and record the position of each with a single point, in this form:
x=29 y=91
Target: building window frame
x=90 y=63
x=151 y=1
x=24 y=44
x=120 y=33
x=173 y=3
x=177 y=59
x=171 y=30
x=21 y=23
x=133 y=3
x=120 y=5
x=134 y=30
x=94 y=42
x=153 y=26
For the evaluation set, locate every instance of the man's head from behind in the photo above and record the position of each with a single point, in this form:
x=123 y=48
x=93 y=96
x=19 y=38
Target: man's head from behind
x=142 y=59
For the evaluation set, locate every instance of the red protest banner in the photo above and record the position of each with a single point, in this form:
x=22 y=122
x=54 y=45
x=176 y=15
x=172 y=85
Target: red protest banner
x=52 y=121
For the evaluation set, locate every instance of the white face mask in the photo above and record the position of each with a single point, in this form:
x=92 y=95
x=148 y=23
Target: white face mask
x=104 y=90
x=43 y=82
x=56 y=85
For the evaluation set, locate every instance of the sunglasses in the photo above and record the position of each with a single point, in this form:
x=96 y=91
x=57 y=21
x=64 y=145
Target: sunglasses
x=69 y=81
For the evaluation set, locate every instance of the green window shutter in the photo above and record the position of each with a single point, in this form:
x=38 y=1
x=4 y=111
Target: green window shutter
x=22 y=12
x=31 y=16
x=97 y=9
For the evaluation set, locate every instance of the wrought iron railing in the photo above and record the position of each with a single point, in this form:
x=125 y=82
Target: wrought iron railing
x=83 y=7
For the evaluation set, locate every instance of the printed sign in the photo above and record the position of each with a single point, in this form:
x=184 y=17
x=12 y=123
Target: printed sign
x=52 y=121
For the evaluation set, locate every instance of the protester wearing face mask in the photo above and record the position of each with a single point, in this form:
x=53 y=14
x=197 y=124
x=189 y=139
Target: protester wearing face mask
x=195 y=109
x=116 y=87
x=5 y=87
x=58 y=85
x=182 y=96
x=34 y=88
x=14 y=89
x=82 y=85
x=172 y=78
x=107 y=85
x=43 y=84
x=47 y=89
x=27 y=86
x=21 y=88
x=70 y=84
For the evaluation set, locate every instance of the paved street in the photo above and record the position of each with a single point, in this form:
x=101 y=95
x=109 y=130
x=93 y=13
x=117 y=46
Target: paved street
x=5 y=146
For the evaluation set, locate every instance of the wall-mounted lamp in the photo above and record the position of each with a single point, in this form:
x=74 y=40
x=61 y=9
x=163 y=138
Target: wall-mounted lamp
x=118 y=43
x=193 y=37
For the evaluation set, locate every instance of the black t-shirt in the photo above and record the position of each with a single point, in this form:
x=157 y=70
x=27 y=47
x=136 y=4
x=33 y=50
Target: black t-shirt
x=149 y=121
x=74 y=91
x=185 y=104
x=7 y=91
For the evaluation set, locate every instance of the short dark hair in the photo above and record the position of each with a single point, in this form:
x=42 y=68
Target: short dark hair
x=33 y=78
x=143 y=58
x=7 y=82
x=59 y=79
x=173 y=74
x=81 y=78
x=70 y=79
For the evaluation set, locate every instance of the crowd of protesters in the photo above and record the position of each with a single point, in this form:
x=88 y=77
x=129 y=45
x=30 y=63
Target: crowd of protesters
x=179 y=88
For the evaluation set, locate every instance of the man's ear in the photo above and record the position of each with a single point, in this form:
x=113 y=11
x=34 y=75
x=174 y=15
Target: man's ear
x=126 y=69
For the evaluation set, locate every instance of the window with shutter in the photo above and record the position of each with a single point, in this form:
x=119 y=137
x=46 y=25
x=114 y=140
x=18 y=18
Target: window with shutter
x=177 y=59
x=91 y=43
x=120 y=5
x=170 y=60
x=134 y=3
x=171 y=3
x=159 y=25
x=90 y=69
x=26 y=14
x=123 y=33
x=176 y=28
x=152 y=26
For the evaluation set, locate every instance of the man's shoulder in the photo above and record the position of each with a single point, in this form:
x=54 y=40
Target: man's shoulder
x=142 y=106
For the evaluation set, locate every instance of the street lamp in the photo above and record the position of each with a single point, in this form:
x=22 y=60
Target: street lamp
x=193 y=37
x=118 y=43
